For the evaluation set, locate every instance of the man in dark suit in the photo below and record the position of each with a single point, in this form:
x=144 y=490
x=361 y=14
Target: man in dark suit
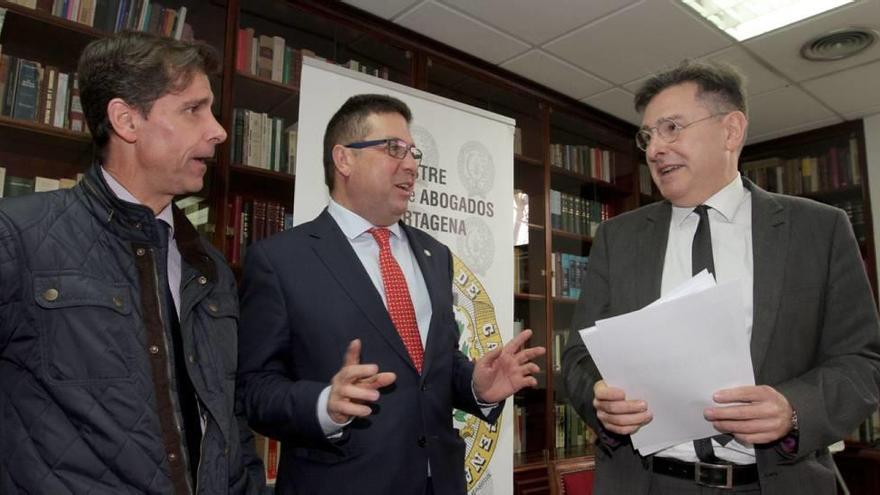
x=357 y=285
x=815 y=338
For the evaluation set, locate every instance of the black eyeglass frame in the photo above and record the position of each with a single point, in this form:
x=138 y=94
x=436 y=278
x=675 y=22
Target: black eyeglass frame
x=389 y=143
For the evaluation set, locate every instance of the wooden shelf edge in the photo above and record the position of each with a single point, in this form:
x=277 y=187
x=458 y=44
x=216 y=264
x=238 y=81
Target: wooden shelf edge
x=525 y=296
x=267 y=82
x=251 y=170
x=57 y=132
x=607 y=186
x=569 y=235
x=527 y=160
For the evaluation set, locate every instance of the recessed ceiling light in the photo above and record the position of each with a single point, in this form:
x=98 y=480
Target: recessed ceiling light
x=744 y=19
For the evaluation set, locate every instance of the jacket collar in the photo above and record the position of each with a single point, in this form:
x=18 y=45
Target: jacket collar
x=136 y=223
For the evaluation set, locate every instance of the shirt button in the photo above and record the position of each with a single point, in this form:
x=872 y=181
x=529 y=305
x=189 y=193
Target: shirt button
x=203 y=280
x=172 y=456
x=50 y=295
x=154 y=349
x=212 y=307
x=140 y=251
x=191 y=358
x=117 y=301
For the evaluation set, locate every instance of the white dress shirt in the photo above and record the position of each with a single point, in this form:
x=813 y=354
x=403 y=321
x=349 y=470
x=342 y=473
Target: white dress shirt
x=730 y=221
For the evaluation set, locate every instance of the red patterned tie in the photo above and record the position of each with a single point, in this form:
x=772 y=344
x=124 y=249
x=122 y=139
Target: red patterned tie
x=400 y=306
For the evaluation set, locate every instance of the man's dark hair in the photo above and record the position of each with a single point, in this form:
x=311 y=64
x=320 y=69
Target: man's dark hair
x=138 y=68
x=718 y=85
x=349 y=124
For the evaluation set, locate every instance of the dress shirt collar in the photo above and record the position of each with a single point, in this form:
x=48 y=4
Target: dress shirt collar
x=726 y=202
x=122 y=193
x=352 y=224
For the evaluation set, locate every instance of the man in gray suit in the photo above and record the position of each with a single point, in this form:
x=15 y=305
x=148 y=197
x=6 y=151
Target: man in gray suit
x=812 y=321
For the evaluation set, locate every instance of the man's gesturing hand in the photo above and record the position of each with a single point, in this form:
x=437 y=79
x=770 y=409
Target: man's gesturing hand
x=355 y=386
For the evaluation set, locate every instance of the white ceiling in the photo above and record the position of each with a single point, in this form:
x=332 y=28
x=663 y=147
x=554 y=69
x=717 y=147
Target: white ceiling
x=599 y=51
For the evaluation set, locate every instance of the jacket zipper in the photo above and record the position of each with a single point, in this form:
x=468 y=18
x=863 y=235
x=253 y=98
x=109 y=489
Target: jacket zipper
x=174 y=400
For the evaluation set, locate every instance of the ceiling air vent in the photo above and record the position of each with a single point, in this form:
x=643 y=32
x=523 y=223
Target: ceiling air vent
x=838 y=45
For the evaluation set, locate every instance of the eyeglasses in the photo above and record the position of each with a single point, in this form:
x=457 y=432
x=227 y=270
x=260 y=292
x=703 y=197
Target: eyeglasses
x=396 y=148
x=667 y=129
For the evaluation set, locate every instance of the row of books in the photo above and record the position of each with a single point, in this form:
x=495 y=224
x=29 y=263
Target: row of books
x=251 y=220
x=571 y=431
x=855 y=210
x=269 y=450
x=116 y=15
x=868 y=432
x=259 y=140
x=521 y=269
x=646 y=182
x=576 y=215
x=596 y=163
x=41 y=94
x=838 y=167
x=267 y=57
x=11 y=185
x=568 y=274
x=560 y=339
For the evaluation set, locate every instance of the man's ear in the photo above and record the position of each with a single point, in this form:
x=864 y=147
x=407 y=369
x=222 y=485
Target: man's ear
x=735 y=124
x=123 y=119
x=342 y=160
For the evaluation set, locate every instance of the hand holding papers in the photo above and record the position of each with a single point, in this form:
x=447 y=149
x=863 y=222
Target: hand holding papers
x=674 y=354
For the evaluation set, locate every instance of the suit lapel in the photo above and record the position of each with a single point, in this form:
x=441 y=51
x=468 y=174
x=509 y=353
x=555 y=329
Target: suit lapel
x=770 y=239
x=427 y=262
x=652 y=253
x=334 y=250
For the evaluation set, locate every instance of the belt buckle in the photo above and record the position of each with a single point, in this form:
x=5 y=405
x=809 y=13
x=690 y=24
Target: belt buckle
x=727 y=469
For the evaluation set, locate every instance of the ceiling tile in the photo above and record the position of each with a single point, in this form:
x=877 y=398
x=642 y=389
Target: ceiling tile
x=447 y=26
x=637 y=41
x=759 y=79
x=781 y=48
x=554 y=73
x=785 y=108
x=386 y=9
x=617 y=102
x=522 y=19
x=862 y=90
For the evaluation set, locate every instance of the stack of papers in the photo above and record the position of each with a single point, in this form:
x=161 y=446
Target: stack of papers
x=674 y=354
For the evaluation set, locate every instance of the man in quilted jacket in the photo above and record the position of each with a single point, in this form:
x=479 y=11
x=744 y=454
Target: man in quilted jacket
x=118 y=322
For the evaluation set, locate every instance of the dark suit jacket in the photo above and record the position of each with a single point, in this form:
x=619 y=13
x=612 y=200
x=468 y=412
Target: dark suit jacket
x=305 y=296
x=815 y=337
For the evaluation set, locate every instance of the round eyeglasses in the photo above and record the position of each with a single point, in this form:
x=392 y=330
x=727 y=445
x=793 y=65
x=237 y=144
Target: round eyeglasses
x=396 y=148
x=667 y=129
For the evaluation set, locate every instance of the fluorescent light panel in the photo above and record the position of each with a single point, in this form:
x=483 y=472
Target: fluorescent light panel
x=744 y=19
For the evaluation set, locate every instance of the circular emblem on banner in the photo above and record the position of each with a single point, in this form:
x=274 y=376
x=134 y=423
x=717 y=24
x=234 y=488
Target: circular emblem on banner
x=478 y=246
x=475 y=168
x=424 y=141
x=478 y=334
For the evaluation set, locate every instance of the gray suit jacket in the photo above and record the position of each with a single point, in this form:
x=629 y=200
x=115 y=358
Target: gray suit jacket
x=815 y=337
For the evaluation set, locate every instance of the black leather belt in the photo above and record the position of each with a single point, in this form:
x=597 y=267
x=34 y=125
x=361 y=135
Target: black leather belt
x=714 y=475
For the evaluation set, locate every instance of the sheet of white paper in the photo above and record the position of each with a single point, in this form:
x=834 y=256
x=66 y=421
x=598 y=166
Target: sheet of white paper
x=675 y=355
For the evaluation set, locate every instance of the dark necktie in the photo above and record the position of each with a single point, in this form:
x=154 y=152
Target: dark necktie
x=186 y=394
x=400 y=306
x=701 y=258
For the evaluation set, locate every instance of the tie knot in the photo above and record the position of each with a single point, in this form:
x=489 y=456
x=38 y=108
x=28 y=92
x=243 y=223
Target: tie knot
x=702 y=210
x=381 y=234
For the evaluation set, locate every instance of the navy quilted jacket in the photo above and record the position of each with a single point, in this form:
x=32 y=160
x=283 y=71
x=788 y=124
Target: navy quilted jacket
x=85 y=365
